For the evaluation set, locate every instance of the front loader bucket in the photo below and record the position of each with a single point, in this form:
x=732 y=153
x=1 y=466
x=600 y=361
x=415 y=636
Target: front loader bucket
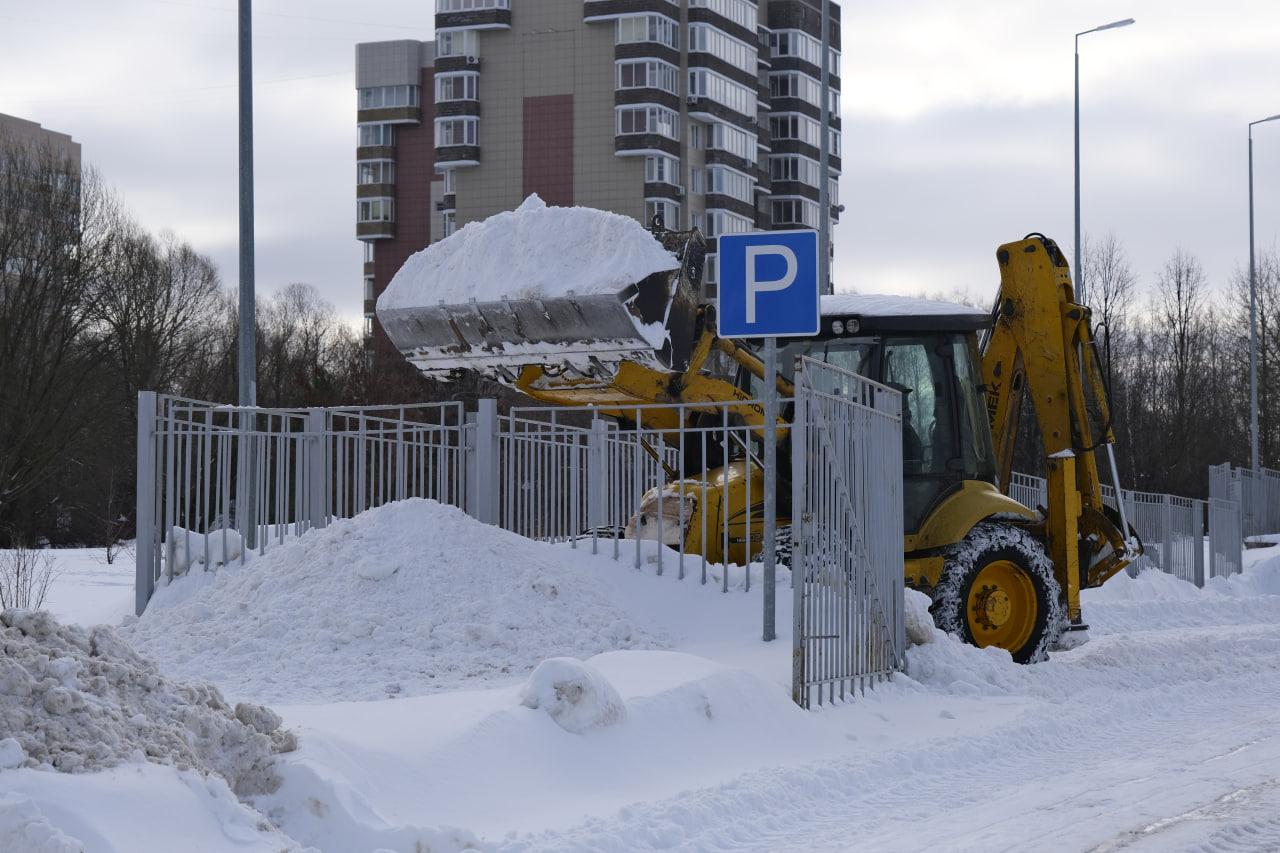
x=650 y=322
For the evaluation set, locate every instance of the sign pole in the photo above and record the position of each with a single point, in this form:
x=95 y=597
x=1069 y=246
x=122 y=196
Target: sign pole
x=770 y=486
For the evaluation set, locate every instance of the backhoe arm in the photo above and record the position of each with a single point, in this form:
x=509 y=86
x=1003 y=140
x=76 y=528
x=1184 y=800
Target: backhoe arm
x=1041 y=348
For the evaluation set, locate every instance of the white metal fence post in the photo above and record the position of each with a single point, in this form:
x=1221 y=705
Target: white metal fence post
x=483 y=463
x=1198 y=510
x=145 y=508
x=597 y=476
x=317 y=469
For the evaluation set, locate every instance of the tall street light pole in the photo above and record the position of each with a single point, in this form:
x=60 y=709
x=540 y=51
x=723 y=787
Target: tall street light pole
x=1079 y=270
x=248 y=369
x=1255 y=457
x=824 y=169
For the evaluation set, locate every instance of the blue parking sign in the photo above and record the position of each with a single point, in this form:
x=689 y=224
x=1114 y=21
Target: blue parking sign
x=768 y=284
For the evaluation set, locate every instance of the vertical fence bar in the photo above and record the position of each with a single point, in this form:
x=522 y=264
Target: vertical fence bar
x=317 y=469
x=144 y=583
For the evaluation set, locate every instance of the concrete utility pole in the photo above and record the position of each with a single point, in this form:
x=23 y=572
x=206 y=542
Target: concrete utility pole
x=248 y=321
x=1255 y=452
x=824 y=168
x=1078 y=269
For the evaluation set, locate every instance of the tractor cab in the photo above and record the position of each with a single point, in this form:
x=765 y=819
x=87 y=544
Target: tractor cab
x=928 y=351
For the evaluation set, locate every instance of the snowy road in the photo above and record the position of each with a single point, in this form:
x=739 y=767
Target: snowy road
x=1161 y=733
x=1156 y=740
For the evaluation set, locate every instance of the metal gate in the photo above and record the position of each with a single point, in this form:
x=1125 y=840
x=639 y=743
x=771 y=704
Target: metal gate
x=847 y=572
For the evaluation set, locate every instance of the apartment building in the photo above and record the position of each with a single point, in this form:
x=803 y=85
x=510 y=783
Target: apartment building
x=705 y=113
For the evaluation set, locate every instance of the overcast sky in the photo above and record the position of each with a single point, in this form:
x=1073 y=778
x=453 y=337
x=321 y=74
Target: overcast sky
x=957 y=133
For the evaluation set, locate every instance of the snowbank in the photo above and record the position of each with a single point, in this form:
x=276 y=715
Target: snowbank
x=77 y=700
x=410 y=598
x=530 y=252
x=132 y=808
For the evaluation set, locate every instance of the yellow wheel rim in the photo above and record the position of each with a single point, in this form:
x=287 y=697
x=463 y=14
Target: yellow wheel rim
x=1002 y=607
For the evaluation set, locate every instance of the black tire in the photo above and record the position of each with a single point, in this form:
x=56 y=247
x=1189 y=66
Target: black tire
x=987 y=543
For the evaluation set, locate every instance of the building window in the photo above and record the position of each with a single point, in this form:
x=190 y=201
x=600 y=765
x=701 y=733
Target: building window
x=376 y=172
x=711 y=269
x=795 y=211
x=795 y=84
x=448 y=223
x=704 y=38
x=697 y=137
x=368 y=325
x=376 y=210
x=661 y=169
x=741 y=12
x=794 y=167
x=802 y=46
x=649 y=28
x=368 y=253
x=449 y=177
x=470 y=5
x=456 y=131
x=649 y=119
x=668 y=210
x=647 y=74
x=376 y=97
x=696 y=183
x=725 y=181
x=375 y=134
x=735 y=141
x=458 y=43
x=459 y=86
x=368 y=287
x=722 y=90
x=723 y=222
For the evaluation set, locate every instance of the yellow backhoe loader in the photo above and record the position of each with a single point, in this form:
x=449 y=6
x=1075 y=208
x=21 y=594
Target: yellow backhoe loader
x=999 y=573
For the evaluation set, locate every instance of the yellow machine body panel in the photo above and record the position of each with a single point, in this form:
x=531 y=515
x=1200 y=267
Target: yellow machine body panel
x=951 y=519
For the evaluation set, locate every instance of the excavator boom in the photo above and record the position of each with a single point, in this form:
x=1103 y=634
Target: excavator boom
x=1041 y=348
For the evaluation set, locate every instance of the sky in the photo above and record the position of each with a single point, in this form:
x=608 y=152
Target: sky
x=957 y=127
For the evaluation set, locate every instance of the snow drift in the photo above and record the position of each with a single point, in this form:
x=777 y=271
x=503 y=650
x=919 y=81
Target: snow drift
x=76 y=700
x=409 y=598
x=530 y=252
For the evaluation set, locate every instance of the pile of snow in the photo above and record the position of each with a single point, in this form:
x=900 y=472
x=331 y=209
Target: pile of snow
x=206 y=551
x=533 y=251
x=132 y=808
x=409 y=598
x=76 y=700
x=573 y=694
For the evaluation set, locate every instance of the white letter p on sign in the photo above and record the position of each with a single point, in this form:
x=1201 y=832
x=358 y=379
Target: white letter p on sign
x=754 y=286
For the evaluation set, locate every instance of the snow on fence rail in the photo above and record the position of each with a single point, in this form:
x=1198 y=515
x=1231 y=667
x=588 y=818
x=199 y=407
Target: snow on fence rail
x=1171 y=528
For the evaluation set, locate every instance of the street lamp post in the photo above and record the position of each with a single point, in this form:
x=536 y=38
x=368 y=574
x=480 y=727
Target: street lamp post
x=1255 y=453
x=1079 y=270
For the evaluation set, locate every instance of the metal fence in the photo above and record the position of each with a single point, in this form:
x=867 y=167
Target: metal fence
x=686 y=477
x=1226 y=538
x=215 y=482
x=1257 y=493
x=1172 y=529
x=847 y=528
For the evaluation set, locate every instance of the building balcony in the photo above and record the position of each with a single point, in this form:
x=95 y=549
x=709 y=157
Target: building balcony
x=481 y=15
x=457 y=156
x=390 y=115
x=375 y=230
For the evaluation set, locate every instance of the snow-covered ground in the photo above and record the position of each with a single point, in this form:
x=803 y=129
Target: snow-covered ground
x=1162 y=732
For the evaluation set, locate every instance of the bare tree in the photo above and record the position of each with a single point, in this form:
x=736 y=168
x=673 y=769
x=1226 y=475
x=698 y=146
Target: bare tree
x=25 y=577
x=55 y=223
